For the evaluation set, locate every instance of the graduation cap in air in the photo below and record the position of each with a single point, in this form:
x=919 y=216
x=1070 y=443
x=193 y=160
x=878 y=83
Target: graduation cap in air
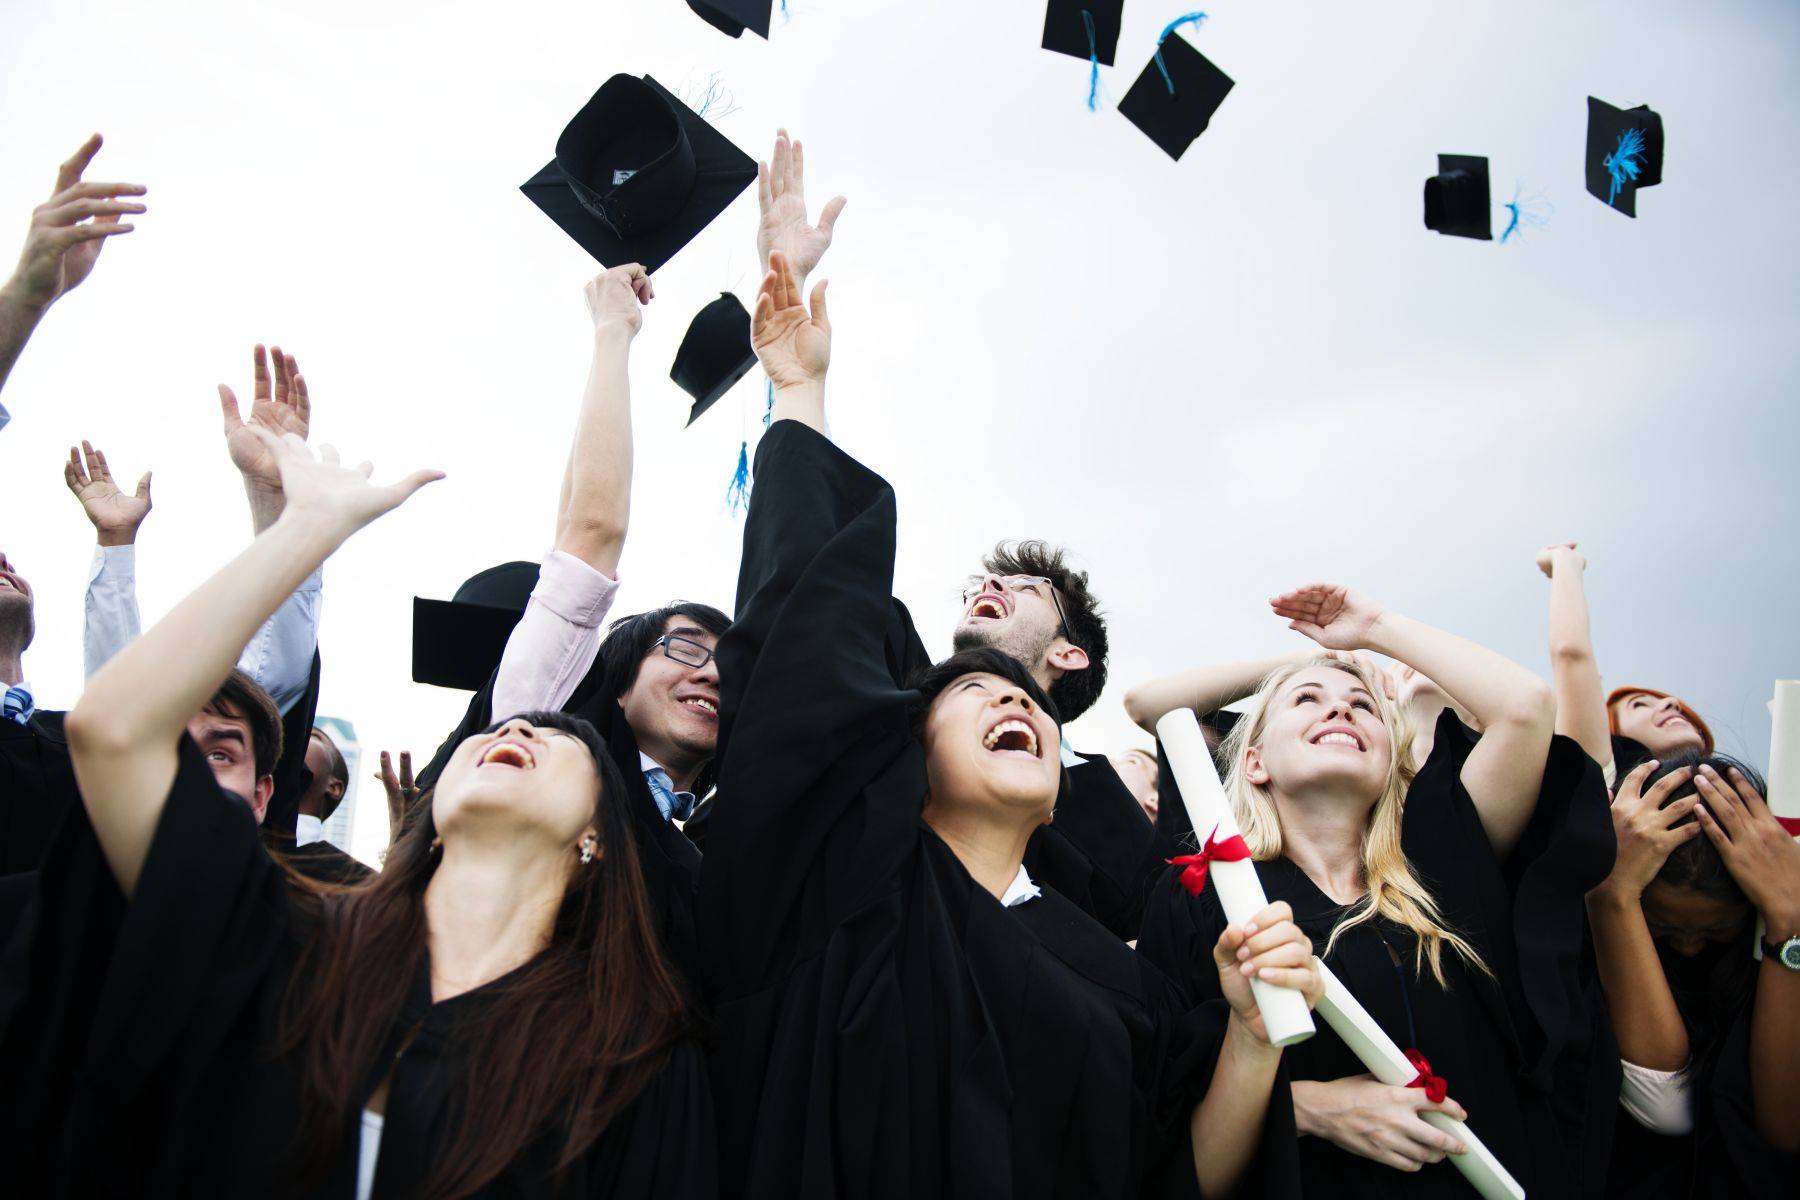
x=1174 y=99
x=1086 y=29
x=638 y=174
x=457 y=643
x=715 y=353
x=1456 y=198
x=732 y=17
x=1624 y=153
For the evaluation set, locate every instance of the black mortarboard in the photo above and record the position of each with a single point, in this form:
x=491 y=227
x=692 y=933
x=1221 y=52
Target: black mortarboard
x=1176 y=96
x=457 y=643
x=1456 y=198
x=732 y=17
x=1624 y=153
x=715 y=353
x=637 y=174
x=1066 y=31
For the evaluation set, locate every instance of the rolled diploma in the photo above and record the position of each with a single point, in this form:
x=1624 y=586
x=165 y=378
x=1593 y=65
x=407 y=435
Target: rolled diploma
x=1784 y=749
x=1388 y=1063
x=1284 y=1010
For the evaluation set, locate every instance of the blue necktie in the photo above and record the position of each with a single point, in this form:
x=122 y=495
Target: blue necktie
x=15 y=705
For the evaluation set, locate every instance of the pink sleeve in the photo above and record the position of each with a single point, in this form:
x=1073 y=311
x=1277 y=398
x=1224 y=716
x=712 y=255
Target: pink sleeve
x=556 y=641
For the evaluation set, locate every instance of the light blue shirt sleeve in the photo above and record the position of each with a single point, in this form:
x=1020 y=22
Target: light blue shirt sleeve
x=110 y=619
x=4 y=416
x=280 y=656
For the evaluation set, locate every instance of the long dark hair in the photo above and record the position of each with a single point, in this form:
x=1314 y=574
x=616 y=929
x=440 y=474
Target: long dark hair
x=1711 y=988
x=566 y=1045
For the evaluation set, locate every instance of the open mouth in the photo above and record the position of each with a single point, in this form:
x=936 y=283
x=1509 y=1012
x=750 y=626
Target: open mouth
x=990 y=606
x=701 y=705
x=1339 y=737
x=1012 y=737
x=1672 y=719
x=508 y=754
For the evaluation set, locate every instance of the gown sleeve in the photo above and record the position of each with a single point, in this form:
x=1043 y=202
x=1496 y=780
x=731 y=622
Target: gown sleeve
x=128 y=1021
x=663 y=1147
x=810 y=711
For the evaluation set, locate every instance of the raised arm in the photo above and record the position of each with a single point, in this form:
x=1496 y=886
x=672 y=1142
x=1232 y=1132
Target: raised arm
x=594 y=509
x=67 y=234
x=1574 y=673
x=110 y=617
x=1505 y=771
x=123 y=735
x=793 y=345
x=1203 y=689
x=781 y=196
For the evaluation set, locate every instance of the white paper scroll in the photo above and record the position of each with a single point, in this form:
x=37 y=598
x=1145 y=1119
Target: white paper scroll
x=1284 y=1010
x=1388 y=1063
x=1784 y=749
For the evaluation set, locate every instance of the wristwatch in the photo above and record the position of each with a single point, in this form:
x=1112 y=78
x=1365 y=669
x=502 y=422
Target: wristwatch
x=1786 y=953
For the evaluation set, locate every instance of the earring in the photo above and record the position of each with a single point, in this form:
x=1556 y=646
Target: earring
x=437 y=843
x=587 y=854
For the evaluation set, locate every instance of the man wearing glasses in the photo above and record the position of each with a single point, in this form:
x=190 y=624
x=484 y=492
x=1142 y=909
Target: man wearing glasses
x=1100 y=849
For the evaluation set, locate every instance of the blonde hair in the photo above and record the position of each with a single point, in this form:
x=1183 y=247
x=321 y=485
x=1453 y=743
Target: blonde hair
x=1393 y=891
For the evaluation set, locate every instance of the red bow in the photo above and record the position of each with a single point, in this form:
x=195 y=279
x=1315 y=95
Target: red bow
x=1193 y=877
x=1790 y=824
x=1435 y=1087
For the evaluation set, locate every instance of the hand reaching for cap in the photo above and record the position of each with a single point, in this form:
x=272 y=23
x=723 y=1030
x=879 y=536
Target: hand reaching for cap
x=781 y=194
x=616 y=298
x=116 y=514
x=1334 y=616
x=342 y=499
x=794 y=346
x=69 y=229
x=279 y=410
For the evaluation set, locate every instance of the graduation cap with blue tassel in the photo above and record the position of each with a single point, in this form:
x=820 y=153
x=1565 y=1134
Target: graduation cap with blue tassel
x=732 y=17
x=1624 y=153
x=1085 y=29
x=1174 y=99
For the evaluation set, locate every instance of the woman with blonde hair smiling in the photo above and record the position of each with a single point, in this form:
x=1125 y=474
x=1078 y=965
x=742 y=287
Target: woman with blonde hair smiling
x=1447 y=894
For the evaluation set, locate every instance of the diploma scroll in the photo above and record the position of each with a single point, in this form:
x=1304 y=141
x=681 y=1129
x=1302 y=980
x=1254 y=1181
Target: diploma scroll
x=1284 y=1010
x=1388 y=1063
x=1784 y=749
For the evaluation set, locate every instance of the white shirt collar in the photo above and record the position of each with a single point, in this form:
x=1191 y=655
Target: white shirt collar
x=1070 y=758
x=1020 y=890
x=308 y=829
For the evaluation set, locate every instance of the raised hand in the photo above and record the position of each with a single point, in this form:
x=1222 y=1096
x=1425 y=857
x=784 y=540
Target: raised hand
x=1333 y=616
x=1379 y=1121
x=400 y=791
x=116 y=515
x=1758 y=852
x=342 y=498
x=1269 y=947
x=616 y=297
x=781 y=195
x=69 y=229
x=1645 y=830
x=286 y=408
x=794 y=346
x=1559 y=554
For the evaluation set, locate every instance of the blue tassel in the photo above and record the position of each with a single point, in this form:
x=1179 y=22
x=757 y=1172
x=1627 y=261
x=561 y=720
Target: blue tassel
x=1087 y=19
x=714 y=100
x=737 y=496
x=784 y=11
x=1194 y=19
x=1624 y=164
x=769 y=404
x=1526 y=212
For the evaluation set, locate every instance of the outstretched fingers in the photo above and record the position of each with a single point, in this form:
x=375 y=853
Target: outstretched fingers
x=819 y=315
x=69 y=173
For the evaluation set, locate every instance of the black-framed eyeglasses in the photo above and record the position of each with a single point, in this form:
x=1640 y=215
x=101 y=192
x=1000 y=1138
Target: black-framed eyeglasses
x=1025 y=583
x=685 y=651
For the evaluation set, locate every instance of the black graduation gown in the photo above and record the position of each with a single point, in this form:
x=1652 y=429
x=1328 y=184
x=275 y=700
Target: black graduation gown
x=140 y=1060
x=37 y=786
x=1724 y=1157
x=882 y=1026
x=1518 y=1049
x=670 y=861
x=327 y=864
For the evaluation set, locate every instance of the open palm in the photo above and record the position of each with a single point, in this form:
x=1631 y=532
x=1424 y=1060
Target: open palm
x=793 y=345
x=1332 y=615
x=781 y=196
x=91 y=482
x=280 y=409
x=344 y=497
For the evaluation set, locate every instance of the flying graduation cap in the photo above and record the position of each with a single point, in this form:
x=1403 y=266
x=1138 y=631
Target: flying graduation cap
x=457 y=643
x=1087 y=29
x=1624 y=153
x=714 y=354
x=638 y=174
x=732 y=17
x=1174 y=99
x=1456 y=198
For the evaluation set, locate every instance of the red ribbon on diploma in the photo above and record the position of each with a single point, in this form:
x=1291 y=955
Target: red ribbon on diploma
x=1791 y=824
x=1195 y=866
x=1435 y=1087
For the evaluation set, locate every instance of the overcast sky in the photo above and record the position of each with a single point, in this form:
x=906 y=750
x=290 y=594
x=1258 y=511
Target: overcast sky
x=1214 y=379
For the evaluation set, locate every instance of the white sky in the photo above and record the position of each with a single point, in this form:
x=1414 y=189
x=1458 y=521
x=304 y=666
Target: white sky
x=1214 y=379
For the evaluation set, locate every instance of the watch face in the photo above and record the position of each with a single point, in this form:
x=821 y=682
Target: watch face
x=1790 y=954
